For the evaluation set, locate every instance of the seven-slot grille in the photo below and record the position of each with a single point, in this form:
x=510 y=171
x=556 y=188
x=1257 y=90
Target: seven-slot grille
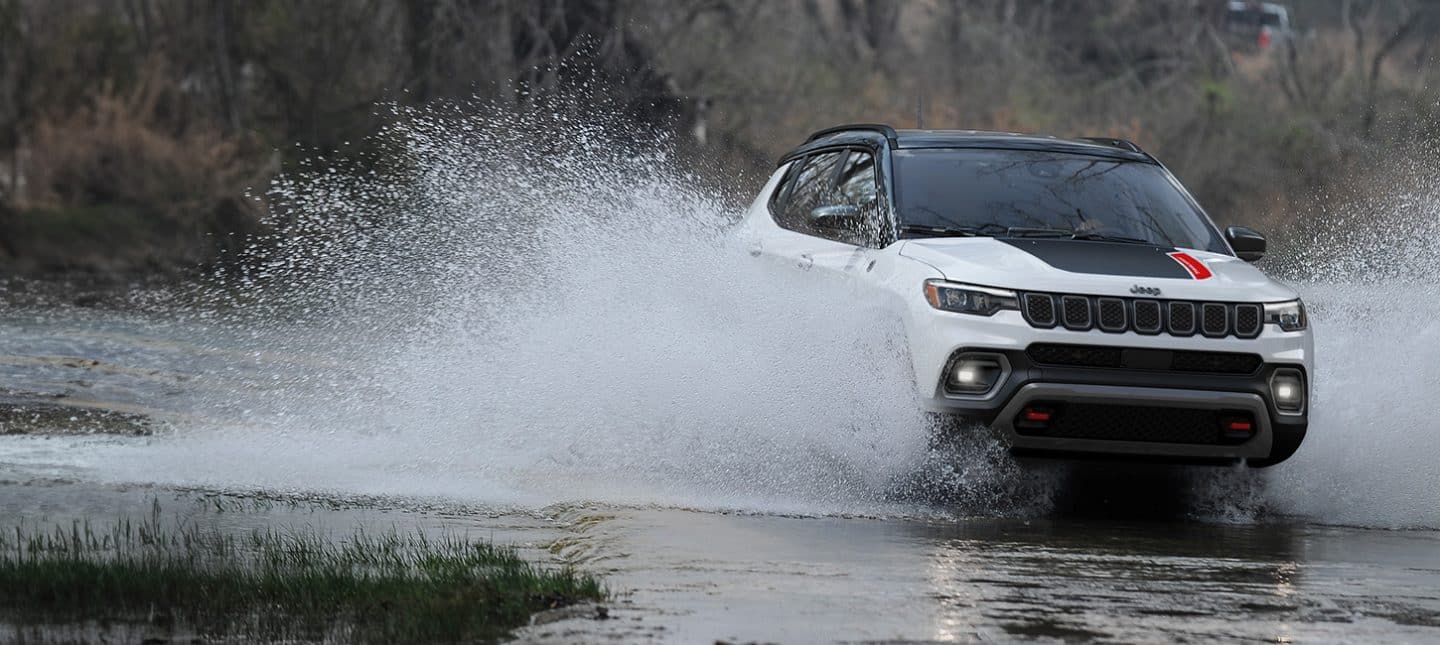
x=1142 y=316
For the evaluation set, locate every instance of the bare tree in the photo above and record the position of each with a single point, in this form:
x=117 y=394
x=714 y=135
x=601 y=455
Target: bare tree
x=1407 y=25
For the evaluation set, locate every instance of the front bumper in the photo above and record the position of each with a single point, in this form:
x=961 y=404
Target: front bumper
x=1258 y=446
x=1276 y=434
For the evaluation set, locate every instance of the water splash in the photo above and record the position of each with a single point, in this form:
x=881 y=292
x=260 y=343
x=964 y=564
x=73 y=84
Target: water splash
x=1367 y=275
x=1364 y=268
x=527 y=309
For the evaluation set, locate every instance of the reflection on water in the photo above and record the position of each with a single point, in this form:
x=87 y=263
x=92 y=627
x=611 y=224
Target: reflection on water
x=1134 y=581
x=1114 y=581
x=706 y=576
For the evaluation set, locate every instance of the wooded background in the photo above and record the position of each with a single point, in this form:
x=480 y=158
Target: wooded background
x=130 y=130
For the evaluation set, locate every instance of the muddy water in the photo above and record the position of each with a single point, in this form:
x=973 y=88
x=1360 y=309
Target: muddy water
x=110 y=412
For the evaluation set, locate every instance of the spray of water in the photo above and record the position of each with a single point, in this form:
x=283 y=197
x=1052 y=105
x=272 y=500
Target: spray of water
x=524 y=309
x=1370 y=457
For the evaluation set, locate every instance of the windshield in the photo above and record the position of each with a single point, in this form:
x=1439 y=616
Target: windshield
x=1039 y=193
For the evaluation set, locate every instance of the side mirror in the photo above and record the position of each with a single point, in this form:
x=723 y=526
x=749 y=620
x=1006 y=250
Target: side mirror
x=838 y=216
x=1248 y=245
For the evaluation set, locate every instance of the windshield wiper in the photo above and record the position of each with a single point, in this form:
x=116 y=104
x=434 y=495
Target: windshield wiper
x=1021 y=231
x=1101 y=237
x=1061 y=233
x=986 y=230
x=999 y=230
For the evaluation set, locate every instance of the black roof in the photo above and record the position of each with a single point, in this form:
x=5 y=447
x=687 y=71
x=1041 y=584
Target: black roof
x=878 y=134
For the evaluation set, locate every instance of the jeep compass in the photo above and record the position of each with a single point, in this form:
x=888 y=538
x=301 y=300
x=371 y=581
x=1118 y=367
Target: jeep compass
x=1069 y=294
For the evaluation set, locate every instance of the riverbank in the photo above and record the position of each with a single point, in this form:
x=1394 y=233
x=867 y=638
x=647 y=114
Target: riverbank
x=110 y=244
x=165 y=577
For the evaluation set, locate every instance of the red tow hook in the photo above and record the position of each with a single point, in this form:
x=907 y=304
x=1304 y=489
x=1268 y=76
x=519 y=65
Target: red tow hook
x=1034 y=418
x=1237 y=427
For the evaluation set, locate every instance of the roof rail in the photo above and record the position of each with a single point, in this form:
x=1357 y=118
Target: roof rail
x=886 y=130
x=1112 y=142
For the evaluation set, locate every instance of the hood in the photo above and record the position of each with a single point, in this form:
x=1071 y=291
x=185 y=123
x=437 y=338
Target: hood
x=1096 y=268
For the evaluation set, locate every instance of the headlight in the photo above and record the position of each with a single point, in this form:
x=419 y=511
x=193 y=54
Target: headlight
x=1290 y=316
x=969 y=299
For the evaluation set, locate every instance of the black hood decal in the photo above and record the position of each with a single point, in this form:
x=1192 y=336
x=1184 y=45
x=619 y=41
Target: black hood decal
x=1104 y=258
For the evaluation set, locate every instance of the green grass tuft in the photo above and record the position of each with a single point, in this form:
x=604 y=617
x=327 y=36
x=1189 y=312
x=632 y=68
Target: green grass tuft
x=277 y=585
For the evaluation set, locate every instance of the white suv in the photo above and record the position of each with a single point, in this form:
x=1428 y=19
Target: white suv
x=1068 y=293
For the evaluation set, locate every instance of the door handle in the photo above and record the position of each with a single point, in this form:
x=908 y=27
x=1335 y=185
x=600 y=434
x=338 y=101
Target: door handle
x=805 y=261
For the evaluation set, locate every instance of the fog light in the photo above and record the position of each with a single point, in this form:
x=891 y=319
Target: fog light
x=1288 y=388
x=974 y=375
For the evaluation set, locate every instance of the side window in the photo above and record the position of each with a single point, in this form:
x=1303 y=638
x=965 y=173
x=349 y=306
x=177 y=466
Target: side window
x=779 y=198
x=840 y=178
x=814 y=185
x=859 y=187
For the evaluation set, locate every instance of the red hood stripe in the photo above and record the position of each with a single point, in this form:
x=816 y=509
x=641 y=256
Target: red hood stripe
x=1196 y=268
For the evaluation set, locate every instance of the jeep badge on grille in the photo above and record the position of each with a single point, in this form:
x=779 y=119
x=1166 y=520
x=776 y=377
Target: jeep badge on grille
x=1145 y=291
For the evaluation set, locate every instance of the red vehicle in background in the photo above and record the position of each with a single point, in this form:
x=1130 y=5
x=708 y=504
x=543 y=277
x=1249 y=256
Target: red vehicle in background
x=1257 y=25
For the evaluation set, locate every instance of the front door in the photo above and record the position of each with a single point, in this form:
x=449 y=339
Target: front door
x=828 y=213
